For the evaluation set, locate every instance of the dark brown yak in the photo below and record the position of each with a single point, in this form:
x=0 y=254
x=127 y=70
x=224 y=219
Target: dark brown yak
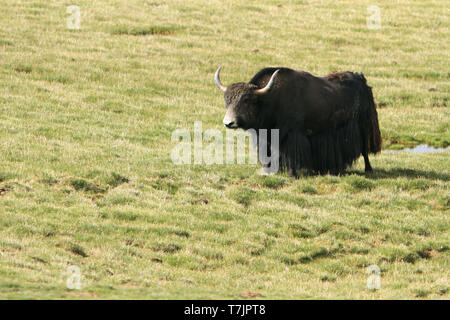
x=325 y=123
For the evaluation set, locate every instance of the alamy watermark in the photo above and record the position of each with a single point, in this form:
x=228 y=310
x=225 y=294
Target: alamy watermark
x=74 y=20
x=374 y=280
x=374 y=20
x=73 y=281
x=208 y=147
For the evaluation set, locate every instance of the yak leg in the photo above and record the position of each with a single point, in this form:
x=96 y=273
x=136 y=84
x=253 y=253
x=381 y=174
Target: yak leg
x=368 y=167
x=365 y=153
x=292 y=173
x=365 y=149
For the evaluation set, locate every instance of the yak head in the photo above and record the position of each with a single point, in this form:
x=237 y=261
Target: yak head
x=241 y=101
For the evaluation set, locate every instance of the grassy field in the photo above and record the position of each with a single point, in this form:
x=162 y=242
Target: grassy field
x=86 y=179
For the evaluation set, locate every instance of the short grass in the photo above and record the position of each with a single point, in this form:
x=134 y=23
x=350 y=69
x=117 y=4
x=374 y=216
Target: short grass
x=85 y=137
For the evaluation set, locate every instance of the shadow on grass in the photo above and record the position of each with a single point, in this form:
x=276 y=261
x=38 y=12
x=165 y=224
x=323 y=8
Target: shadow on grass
x=402 y=172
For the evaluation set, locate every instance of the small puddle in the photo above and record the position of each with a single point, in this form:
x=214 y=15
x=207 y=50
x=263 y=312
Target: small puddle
x=423 y=148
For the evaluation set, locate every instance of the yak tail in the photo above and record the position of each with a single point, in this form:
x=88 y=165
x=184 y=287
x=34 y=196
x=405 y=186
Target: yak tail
x=371 y=130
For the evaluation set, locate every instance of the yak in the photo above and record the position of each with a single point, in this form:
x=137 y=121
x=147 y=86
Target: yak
x=325 y=123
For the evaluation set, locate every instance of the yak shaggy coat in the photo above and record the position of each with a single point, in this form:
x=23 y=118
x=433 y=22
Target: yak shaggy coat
x=325 y=123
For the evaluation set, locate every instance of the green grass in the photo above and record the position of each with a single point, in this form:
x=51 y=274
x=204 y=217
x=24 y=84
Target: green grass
x=85 y=137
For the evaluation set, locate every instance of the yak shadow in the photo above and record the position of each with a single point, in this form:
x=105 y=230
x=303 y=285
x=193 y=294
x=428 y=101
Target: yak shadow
x=377 y=174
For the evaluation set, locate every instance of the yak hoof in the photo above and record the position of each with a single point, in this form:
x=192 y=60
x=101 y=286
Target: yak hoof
x=368 y=170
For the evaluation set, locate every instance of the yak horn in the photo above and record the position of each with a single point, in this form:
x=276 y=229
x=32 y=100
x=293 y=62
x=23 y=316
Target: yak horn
x=217 y=81
x=269 y=85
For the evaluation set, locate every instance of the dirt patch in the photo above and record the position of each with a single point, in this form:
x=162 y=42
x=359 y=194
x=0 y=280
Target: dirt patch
x=248 y=294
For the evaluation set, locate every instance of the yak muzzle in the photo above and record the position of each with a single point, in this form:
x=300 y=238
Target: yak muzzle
x=230 y=124
x=229 y=120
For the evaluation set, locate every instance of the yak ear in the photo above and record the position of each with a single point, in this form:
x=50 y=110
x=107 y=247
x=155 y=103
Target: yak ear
x=269 y=85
